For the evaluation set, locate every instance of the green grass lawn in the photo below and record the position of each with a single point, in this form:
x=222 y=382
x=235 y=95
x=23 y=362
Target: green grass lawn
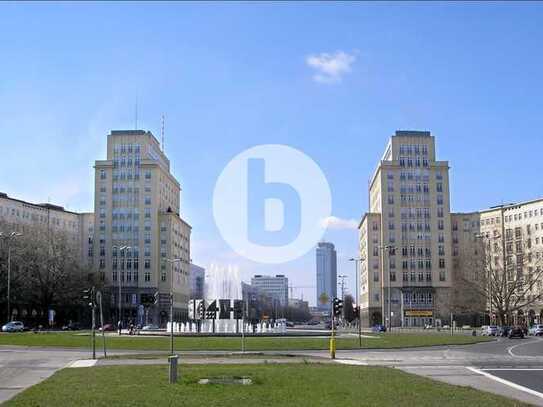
x=273 y=385
x=79 y=340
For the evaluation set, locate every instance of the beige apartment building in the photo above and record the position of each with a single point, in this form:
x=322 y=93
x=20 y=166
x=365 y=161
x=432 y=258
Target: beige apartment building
x=423 y=265
x=405 y=239
x=140 y=242
x=510 y=235
x=20 y=216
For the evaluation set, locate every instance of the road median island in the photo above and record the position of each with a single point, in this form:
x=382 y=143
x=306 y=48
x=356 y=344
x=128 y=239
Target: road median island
x=302 y=384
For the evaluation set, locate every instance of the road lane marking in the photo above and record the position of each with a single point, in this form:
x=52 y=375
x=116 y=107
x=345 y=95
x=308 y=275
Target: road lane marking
x=510 y=349
x=453 y=367
x=506 y=382
x=511 y=368
x=351 y=362
x=83 y=363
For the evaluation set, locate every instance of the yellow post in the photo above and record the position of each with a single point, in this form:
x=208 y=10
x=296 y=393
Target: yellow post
x=332 y=347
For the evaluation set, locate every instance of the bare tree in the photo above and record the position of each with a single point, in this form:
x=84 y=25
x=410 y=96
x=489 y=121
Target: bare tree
x=509 y=289
x=46 y=270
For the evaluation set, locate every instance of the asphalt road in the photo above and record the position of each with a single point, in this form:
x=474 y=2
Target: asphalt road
x=528 y=377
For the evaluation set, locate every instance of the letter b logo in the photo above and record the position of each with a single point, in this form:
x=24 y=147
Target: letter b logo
x=268 y=203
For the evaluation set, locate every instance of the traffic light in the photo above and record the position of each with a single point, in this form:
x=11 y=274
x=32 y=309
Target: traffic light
x=356 y=312
x=88 y=296
x=338 y=306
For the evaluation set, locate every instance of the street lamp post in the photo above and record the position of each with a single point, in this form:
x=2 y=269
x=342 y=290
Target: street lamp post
x=171 y=261
x=389 y=248
x=7 y=238
x=342 y=277
x=357 y=261
x=122 y=250
x=482 y=237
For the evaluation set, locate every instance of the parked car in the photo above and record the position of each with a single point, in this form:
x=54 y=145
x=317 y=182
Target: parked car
x=290 y=324
x=150 y=327
x=489 y=330
x=503 y=331
x=314 y=322
x=379 y=328
x=71 y=326
x=536 y=330
x=107 y=327
x=516 y=332
x=13 y=326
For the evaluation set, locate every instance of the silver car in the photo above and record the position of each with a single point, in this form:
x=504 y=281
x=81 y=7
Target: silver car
x=489 y=330
x=13 y=326
x=536 y=330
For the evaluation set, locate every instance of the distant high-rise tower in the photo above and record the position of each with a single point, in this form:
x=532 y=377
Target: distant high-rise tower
x=326 y=274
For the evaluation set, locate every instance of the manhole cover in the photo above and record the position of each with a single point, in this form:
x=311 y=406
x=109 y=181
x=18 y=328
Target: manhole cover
x=226 y=380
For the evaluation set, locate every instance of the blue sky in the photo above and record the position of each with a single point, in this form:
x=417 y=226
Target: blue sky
x=231 y=76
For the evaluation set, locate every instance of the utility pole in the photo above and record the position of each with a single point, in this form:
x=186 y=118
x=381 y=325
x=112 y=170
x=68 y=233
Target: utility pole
x=171 y=261
x=7 y=238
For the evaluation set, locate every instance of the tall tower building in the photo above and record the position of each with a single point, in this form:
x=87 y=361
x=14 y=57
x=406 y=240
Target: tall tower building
x=326 y=260
x=405 y=238
x=138 y=230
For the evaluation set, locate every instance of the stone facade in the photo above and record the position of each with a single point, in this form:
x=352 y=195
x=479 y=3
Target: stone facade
x=406 y=267
x=138 y=230
x=420 y=262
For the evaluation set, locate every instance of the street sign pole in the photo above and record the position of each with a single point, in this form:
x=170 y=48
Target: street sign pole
x=93 y=306
x=99 y=300
x=359 y=327
x=333 y=339
x=171 y=323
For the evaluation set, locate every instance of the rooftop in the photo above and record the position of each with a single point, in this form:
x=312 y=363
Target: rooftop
x=128 y=132
x=41 y=205
x=412 y=133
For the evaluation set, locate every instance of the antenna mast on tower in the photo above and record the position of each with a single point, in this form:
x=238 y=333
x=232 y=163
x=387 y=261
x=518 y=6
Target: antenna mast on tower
x=136 y=114
x=162 y=133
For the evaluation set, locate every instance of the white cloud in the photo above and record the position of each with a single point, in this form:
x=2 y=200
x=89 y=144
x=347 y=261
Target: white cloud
x=330 y=68
x=333 y=222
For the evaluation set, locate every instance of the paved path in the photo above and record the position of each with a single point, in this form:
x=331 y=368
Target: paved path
x=22 y=367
